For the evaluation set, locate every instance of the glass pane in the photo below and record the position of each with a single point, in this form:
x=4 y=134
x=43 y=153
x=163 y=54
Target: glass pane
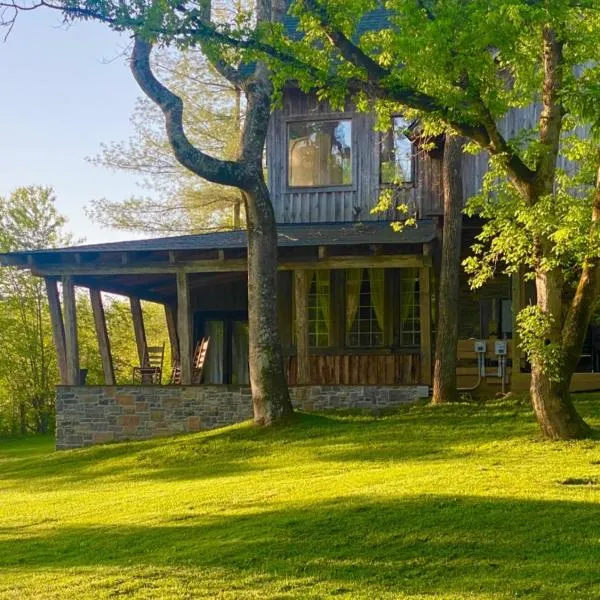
x=410 y=318
x=318 y=309
x=320 y=153
x=364 y=307
x=396 y=153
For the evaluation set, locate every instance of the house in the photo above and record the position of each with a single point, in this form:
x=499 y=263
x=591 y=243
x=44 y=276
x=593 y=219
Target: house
x=370 y=292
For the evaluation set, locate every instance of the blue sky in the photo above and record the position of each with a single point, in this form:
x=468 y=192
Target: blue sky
x=63 y=92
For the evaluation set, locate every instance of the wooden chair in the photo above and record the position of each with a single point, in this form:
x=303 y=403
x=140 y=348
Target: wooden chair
x=150 y=371
x=198 y=362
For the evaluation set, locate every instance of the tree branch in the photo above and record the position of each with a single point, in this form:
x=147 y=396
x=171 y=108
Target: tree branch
x=207 y=167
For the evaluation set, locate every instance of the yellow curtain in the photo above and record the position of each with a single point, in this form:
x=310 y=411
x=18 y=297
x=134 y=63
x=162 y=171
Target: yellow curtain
x=353 y=282
x=377 y=284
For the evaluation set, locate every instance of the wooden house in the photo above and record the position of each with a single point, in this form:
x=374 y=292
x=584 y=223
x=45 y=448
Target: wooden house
x=362 y=294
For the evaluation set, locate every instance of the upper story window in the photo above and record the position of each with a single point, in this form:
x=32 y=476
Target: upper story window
x=397 y=154
x=320 y=153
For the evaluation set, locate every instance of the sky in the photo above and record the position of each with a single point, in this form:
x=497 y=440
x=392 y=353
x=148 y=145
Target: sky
x=64 y=91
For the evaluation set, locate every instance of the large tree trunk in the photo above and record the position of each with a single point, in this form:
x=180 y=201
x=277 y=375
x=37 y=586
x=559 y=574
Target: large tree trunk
x=550 y=398
x=270 y=394
x=446 y=341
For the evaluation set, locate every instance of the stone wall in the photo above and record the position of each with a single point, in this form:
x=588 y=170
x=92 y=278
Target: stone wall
x=87 y=415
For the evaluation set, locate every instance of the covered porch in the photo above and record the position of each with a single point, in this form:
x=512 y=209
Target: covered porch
x=338 y=290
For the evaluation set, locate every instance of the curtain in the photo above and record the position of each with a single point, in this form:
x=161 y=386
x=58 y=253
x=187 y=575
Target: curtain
x=353 y=283
x=408 y=286
x=323 y=291
x=240 y=343
x=377 y=284
x=214 y=356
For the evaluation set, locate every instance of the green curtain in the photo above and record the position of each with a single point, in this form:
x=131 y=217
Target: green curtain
x=353 y=283
x=408 y=286
x=377 y=285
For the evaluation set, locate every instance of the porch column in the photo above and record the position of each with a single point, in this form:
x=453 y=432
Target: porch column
x=58 y=328
x=184 y=327
x=171 y=319
x=301 y=304
x=138 y=327
x=425 y=317
x=102 y=336
x=71 y=339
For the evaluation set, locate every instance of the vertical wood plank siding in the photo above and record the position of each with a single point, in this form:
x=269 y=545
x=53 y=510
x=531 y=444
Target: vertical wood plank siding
x=355 y=203
x=359 y=369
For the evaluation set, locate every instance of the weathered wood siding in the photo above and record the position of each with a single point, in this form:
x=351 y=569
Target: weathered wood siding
x=341 y=203
x=360 y=369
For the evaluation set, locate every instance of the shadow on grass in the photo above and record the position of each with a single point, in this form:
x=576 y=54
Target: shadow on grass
x=416 y=433
x=432 y=544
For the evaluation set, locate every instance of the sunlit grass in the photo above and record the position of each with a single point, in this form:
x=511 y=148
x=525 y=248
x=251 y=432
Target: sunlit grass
x=451 y=502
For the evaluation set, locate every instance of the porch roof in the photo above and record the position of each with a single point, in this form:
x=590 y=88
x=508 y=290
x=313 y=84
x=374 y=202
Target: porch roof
x=289 y=235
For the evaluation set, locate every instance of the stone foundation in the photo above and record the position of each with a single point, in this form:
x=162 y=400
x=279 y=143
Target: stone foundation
x=87 y=415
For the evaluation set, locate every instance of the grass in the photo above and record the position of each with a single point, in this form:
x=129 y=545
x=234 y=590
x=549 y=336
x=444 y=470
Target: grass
x=436 y=503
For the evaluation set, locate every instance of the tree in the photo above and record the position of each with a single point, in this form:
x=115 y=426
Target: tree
x=152 y=24
x=28 y=220
x=446 y=338
x=213 y=119
x=462 y=67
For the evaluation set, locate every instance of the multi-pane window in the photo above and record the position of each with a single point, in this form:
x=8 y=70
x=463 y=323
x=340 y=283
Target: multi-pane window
x=396 y=158
x=319 y=309
x=320 y=153
x=365 y=307
x=410 y=323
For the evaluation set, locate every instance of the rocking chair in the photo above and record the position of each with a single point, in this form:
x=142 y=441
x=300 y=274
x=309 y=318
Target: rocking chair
x=197 y=364
x=150 y=372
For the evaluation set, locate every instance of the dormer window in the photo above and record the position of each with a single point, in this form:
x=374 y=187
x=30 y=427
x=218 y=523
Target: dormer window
x=320 y=153
x=396 y=157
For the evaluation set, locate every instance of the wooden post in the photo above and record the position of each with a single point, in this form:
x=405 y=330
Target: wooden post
x=171 y=319
x=58 y=328
x=71 y=339
x=138 y=327
x=102 y=336
x=184 y=327
x=301 y=303
x=425 y=317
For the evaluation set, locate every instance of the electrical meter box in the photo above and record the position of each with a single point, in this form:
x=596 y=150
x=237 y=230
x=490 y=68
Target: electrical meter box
x=480 y=346
x=500 y=348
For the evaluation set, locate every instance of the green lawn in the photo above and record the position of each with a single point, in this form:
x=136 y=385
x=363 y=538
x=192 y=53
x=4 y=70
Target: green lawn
x=436 y=503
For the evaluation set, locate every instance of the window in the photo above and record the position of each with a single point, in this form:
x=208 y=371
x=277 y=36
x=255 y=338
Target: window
x=396 y=158
x=318 y=310
x=365 y=307
x=318 y=306
x=320 y=153
x=410 y=325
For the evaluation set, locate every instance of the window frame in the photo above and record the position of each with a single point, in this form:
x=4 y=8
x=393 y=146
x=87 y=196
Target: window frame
x=338 y=116
x=413 y=161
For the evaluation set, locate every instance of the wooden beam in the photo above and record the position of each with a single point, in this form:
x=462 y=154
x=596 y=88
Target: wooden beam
x=184 y=327
x=102 y=336
x=71 y=338
x=302 y=348
x=425 y=318
x=58 y=329
x=240 y=265
x=138 y=327
x=171 y=319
